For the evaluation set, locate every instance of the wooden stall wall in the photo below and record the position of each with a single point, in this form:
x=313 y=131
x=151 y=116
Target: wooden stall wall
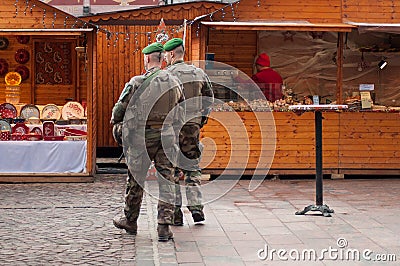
x=371 y=11
x=33 y=14
x=369 y=143
x=322 y=11
x=235 y=48
x=293 y=149
x=353 y=143
x=44 y=25
x=8 y=55
x=118 y=59
x=117 y=62
x=36 y=15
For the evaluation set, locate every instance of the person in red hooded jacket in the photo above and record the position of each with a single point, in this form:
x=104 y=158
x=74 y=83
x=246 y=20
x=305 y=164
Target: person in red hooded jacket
x=269 y=81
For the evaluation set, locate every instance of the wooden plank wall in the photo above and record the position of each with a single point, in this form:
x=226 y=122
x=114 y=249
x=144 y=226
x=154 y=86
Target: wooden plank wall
x=42 y=94
x=235 y=48
x=369 y=141
x=37 y=15
x=296 y=141
x=327 y=11
x=353 y=143
x=377 y=11
x=118 y=61
x=9 y=55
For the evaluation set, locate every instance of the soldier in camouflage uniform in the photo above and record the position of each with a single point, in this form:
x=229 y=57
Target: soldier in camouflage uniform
x=149 y=110
x=198 y=97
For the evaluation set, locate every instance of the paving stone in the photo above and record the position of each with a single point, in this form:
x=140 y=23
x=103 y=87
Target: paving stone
x=71 y=224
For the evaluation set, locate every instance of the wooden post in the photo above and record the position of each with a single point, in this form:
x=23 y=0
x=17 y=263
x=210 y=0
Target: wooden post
x=339 y=76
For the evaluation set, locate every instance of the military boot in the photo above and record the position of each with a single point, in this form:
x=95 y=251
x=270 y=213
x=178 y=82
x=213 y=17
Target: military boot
x=198 y=216
x=164 y=233
x=122 y=223
x=178 y=217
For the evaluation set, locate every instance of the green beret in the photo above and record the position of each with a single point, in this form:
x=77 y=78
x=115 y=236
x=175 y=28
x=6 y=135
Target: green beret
x=172 y=44
x=152 y=48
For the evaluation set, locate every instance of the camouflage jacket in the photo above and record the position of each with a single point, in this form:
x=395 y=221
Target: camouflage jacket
x=118 y=111
x=197 y=90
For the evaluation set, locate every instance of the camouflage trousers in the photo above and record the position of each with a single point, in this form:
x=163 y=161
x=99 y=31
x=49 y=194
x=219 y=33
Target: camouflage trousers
x=189 y=160
x=138 y=165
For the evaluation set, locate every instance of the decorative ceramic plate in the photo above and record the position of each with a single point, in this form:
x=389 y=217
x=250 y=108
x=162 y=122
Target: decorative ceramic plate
x=36 y=130
x=23 y=71
x=5 y=135
x=4 y=43
x=72 y=110
x=7 y=110
x=21 y=56
x=20 y=128
x=17 y=136
x=33 y=120
x=51 y=111
x=13 y=78
x=29 y=110
x=23 y=39
x=4 y=126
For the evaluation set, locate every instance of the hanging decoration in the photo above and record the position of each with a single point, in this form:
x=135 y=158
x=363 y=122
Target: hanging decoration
x=233 y=13
x=288 y=36
x=16 y=9
x=137 y=48
x=116 y=39
x=54 y=19
x=22 y=39
x=65 y=21
x=26 y=6
x=21 y=56
x=161 y=34
x=32 y=8
x=3 y=43
x=44 y=17
x=148 y=37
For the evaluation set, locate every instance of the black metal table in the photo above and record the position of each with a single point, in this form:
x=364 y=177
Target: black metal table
x=318 y=109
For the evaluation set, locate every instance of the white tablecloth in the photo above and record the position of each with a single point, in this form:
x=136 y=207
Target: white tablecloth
x=43 y=156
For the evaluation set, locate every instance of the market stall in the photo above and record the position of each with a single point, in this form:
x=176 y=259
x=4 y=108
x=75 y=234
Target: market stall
x=323 y=59
x=46 y=95
x=122 y=36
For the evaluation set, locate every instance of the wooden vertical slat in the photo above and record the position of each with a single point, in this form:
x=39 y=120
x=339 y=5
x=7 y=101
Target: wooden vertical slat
x=91 y=101
x=339 y=77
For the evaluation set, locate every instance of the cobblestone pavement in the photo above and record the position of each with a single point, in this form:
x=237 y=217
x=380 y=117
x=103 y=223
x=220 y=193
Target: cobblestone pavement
x=67 y=224
x=71 y=224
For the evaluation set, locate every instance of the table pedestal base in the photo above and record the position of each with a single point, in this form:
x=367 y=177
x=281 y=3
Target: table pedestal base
x=324 y=209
